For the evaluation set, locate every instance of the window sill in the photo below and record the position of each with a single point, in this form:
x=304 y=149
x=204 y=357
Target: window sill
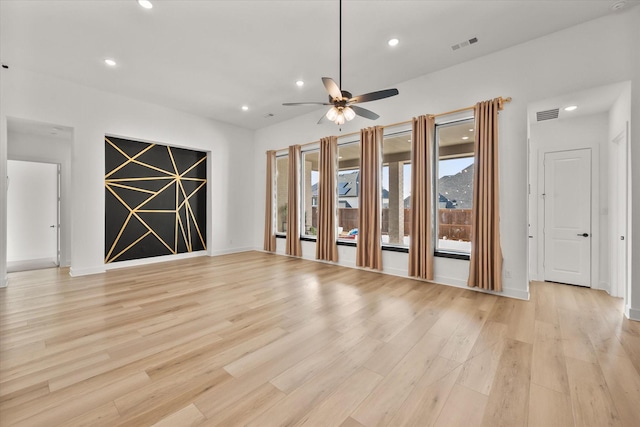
x=345 y=243
x=281 y=236
x=308 y=239
x=390 y=248
x=452 y=255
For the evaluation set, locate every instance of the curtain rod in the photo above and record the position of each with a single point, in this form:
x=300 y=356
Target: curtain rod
x=459 y=110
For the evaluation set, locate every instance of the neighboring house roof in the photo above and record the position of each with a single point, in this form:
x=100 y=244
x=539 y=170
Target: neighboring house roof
x=455 y=190
x=348 y=185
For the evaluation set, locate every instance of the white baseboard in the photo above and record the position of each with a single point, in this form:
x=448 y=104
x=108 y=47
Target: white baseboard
x=154 y=260
x=76 y=272
x=632 y=313
x=233 y=251
x=506 y=292
x=395 y=272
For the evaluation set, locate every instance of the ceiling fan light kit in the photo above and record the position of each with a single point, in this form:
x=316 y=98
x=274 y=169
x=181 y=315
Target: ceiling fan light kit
x=341 y=100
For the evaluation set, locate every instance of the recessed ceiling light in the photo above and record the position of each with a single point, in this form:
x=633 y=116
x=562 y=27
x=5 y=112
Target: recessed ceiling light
x=471 y=130
x=465 y=137
x=245 y=108
x=300 y=83
x=393 y=42
x=145 y=3
x=571 y=108
x=110 y=62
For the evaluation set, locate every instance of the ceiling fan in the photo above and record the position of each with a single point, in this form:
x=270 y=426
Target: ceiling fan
x=342 y=102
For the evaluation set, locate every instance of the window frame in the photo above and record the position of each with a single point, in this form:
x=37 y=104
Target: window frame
x=395 y=131
x=279 y=155
x=348 y=141
x=446 y=253
x=313 y=148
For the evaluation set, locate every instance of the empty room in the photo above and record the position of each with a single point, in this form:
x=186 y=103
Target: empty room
x=319 y=212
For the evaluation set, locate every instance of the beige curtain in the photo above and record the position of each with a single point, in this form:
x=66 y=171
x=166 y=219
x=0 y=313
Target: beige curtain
x=326 y=247
x=369 y=249
x=421 y=245
x=293 y=200
x=269 y=235
x=485 y=270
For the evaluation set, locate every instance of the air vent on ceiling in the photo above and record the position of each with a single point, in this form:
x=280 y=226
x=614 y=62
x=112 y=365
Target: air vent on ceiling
x=464 y=43
x=547 y=115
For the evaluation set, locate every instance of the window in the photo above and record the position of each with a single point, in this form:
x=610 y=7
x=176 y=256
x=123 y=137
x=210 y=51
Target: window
x=396 y=189
x=282 y=187
x=454 y=186
x=310 y=178
x=348 y=190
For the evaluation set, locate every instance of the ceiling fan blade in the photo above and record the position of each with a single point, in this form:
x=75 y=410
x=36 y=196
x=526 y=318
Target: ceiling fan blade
x=332 y=88
x=323 y=119
x=363 y=112
x=373 y=96
x=290 y=104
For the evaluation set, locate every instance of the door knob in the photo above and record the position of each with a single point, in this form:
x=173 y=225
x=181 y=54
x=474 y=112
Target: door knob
x=584 y=235
x=52 y=226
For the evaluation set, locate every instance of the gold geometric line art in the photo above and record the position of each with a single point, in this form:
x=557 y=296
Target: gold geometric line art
x=130 y=246
x=128 y=187
x=155 y=168
x=132 y=212
x=155 y=194
x=146 y=178
x=173 y=251
x=181 y=228
x=126 y=155
x=124 y=225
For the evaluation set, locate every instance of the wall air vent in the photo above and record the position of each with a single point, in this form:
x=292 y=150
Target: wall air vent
x=547 y=115
x=464 y=43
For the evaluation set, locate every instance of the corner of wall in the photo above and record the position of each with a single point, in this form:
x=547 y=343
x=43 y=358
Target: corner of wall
x=76 y=272
x=632 y=313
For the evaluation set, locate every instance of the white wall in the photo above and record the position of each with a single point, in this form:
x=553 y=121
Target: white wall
x=619 y=118
x=596 y=53
x=589 y=131
x=3 y=199
x=49 y=150
x=632 y=308
x=92 y=114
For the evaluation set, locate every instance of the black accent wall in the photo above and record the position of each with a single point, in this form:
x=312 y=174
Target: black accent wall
x=155 y=200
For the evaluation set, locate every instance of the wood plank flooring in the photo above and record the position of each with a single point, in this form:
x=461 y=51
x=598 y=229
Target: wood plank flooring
x=259 y=339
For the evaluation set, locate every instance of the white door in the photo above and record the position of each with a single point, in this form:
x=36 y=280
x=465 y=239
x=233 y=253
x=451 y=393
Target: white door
x=32 y=215
x=619 y=215
x=567 y=217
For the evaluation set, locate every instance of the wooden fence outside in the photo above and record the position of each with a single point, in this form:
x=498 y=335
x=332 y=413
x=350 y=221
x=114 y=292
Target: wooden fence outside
x=455 y=224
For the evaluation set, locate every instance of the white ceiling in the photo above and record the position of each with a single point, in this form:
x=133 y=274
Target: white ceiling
x=211 y=57
x=39 y=129
x=590 y=101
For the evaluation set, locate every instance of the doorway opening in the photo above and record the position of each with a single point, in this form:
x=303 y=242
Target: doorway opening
x=596 y=122
x=32 y=148
x=33 y=215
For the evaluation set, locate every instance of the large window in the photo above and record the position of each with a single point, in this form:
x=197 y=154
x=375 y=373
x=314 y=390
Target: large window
x=282 y=187
x=396 y=188
x=454 y=186
x=348 y=190
x=310 y=178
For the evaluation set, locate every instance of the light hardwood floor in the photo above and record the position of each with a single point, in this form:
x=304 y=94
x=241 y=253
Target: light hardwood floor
x=265 y=340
